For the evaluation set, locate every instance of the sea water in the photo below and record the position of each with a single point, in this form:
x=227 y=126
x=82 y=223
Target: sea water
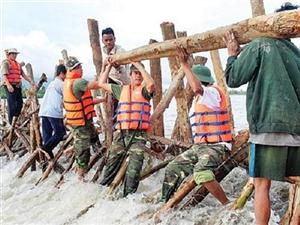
x=24 y=203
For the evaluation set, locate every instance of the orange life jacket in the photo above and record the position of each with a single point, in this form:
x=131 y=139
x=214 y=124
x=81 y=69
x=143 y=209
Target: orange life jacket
x=77 y=111
x=14 y=75
x=133 y=110
x=212 y=126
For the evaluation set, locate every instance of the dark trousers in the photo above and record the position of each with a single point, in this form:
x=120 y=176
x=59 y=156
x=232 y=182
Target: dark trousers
x=53 y=132
x=14 y=102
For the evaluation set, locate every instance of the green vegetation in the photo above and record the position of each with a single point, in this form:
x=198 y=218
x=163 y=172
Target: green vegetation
x=40 y=93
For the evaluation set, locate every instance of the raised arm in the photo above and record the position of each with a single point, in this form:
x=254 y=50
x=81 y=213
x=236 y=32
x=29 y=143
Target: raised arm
x=149 y=82
x=183 y=57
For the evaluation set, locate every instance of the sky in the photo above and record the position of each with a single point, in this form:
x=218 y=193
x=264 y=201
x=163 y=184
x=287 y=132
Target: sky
x=41 y=29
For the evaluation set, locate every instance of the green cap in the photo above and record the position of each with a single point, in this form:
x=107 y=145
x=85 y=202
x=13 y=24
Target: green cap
x=203 y=74
x=72 y=62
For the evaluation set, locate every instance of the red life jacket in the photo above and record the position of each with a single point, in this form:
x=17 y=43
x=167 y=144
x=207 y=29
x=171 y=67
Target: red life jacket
x=133 y=110
x=212 y=126
x=14 y=75
x=77 y=111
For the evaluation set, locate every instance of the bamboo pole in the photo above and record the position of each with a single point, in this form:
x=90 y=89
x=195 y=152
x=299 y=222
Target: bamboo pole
x=245 y=194
x=155 y=71
x=183 y=132
x=277 y=25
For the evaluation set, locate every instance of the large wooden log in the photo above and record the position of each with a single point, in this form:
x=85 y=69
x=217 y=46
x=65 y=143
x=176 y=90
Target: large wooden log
x=183 y=132
x=97 y=60
x=278 y=25
x=155 y=71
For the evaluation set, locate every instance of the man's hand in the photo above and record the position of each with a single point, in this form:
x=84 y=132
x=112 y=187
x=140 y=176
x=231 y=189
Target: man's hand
x=232 y=44
x=183 y=55
x=10 y=88
x=138 y=65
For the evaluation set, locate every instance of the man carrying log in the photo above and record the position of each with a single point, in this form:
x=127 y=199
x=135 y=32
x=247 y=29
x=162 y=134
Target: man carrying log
x=12 y=73
x=133 y=122
x=79 y=106
x=271 y=67
x=212 y=135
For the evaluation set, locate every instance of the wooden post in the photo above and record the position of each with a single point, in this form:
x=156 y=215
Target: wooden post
x=278 y=25
x=97 y=59
x=184 y=132
x=155 y=71
x=257 y=7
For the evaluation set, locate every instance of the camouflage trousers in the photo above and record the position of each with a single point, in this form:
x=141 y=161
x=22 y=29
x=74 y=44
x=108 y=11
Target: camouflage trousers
x=84 y=137
x=118 y=153
x=199 y=160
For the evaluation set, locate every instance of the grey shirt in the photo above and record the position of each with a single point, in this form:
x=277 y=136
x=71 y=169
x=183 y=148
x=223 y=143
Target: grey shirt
x=275 y=139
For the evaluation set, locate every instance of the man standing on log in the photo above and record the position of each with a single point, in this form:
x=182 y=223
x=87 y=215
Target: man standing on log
x=133 y=121
x=79 y=106
x=212 y=135
x=271 y=67
x=12 y=73
x=51 y=112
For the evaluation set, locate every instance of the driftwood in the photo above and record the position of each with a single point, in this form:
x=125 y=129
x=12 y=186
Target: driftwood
x=278 y=25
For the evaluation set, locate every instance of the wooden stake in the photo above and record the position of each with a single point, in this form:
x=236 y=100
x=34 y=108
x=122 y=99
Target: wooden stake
x=183 y=132
x=155 y=71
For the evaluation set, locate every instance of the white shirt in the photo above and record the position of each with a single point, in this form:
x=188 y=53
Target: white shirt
x=212 y=99
x=52 y=103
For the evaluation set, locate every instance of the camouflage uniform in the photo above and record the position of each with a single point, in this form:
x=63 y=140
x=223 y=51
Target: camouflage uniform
x=118 y=153
x=84 y=137
x=200 y=159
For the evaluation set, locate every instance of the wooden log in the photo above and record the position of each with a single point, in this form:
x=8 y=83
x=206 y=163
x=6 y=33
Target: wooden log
x=65 y=55
x=293 y=212
x=97 y=60
x=183 y=132
x=278 y=25
x=99 y=169
x=28 y=163
x=155 y=169
x=94 y=159
x=178 y=196
x=166 y=141
x=119 y=177
x=257 y=7
x=165 y=101
x=8 y=151
x=61 y=178
x=56 y=157
x=155 y=71
x=245 y=194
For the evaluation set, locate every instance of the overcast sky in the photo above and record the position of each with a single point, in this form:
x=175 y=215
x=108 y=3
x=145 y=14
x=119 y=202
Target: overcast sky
x=41 y=29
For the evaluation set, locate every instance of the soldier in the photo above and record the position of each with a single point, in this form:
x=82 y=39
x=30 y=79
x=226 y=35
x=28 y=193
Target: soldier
x=79 y=106
x=12 y=73
x=212 y=135
x=133 y=122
